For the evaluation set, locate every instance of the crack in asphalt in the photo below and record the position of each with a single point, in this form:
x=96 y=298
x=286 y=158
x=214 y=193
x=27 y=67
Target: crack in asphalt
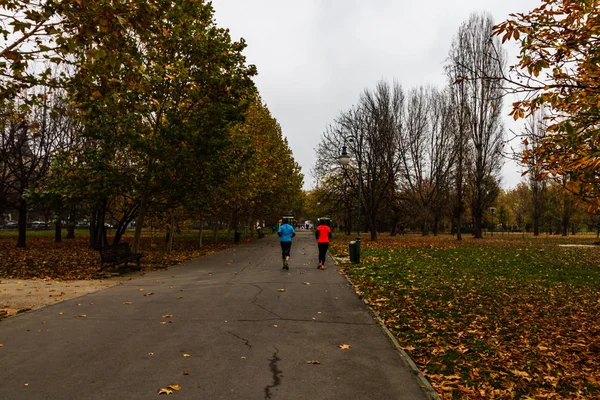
x=236 y=273
x=276 y=373
x=246 y=341
x=255 y=299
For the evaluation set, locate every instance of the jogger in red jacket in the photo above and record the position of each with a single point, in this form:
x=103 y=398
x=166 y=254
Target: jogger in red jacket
x=323 y=234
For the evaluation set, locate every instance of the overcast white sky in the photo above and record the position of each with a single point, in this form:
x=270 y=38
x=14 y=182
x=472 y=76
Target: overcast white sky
x=315 y=57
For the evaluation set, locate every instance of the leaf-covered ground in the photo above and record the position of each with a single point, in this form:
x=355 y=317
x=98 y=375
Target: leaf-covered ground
x=73 y=259
x=496 y=318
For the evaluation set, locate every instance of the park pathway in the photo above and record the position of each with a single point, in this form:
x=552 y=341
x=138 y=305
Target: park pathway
x=232 y=325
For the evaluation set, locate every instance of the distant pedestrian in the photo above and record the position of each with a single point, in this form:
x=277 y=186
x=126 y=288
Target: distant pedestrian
x=323 y=234
x=286 y=232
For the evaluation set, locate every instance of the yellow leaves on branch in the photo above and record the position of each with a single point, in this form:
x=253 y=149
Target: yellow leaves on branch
x=561 y=38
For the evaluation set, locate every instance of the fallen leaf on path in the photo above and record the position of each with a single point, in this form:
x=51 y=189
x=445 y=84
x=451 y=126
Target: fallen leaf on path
x=275 y=326
x=165 y=391
x=344 y=346
x=26 y=384
x=307 y=283
x=313 y=362
x=174 y=387
x=186 y=355
x=127 y=303
x=148 y=294
x=186 y=373
x=81 y=315
x=60 y=313
x=163 y=323
x=281 y=290
x=168 y=316
x=408 y=348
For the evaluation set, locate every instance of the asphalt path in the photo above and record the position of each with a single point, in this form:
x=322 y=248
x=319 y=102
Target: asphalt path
x=232 y=325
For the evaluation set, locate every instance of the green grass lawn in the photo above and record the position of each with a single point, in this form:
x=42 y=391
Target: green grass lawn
x=501 y=317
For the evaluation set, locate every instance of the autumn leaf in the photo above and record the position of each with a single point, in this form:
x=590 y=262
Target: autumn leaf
x=165 y=391
x=344 y=346
x=313 y=362
x=281 y=290
x=127 y=303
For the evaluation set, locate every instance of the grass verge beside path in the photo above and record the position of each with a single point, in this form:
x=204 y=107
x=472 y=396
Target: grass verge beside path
x=490 y=318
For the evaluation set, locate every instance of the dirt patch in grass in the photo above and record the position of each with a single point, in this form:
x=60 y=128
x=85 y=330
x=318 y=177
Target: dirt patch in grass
x=19 y=295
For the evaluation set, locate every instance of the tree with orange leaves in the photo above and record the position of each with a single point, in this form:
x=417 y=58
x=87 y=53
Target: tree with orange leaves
x=559 y=69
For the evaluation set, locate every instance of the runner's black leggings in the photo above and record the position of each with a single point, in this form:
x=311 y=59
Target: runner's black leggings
x=285 y=249
x=323 y=252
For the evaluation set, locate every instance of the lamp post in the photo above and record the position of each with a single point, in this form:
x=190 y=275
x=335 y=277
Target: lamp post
x=492 y=210
x=344 y=159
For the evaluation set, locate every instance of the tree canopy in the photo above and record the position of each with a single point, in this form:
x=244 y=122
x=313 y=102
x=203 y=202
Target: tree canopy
x=559 y=69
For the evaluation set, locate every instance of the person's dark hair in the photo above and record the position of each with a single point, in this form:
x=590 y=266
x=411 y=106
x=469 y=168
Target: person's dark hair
x=285 y=221
x=322 y=222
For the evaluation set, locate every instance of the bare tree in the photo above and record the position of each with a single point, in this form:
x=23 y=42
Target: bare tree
x=535 y=130
x=476 y=64
x=370 y=131
x=426 y=149
x=381 y=150
x=27 y=143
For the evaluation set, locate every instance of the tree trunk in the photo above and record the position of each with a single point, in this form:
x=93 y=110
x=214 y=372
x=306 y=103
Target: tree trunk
x=373 y=231
x=200 y=232
x=171 y=231
x=394 y=230
x=536 y=225
x=436 y=226
x=459 y=200
x=139 y=223
x=477 y=223
x=71 y=222
x=22 y=239
x=425 y=224
x=98 y=236
x=58 y=231
x=566 y=217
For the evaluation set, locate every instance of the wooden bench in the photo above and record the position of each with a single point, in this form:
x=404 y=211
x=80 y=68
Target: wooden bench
x=119 y=253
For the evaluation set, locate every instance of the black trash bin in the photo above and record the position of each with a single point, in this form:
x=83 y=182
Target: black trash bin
x=237 y=237
x=355 y=252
